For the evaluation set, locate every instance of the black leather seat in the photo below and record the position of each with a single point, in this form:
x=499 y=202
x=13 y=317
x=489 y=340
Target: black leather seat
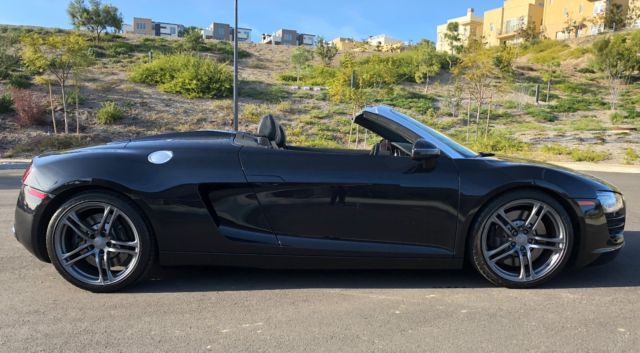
x=271 y=131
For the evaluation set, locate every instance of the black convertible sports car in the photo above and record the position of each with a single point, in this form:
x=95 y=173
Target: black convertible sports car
x=104 y=215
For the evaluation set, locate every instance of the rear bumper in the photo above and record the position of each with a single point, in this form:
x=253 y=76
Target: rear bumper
x=29 y=211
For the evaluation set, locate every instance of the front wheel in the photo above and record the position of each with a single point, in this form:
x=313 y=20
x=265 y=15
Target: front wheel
x=98 y=241
x=521 y=239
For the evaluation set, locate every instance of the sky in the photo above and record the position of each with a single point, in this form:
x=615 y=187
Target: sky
x=403 y=19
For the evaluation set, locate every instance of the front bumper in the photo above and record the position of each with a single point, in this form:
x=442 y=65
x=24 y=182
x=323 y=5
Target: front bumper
x=601 y=236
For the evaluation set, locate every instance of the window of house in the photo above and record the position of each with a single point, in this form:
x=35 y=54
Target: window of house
x=172 y=30
x=580 y=8
x=491 y=27
x=287 y=37
x=141 y=26
x=566 y=12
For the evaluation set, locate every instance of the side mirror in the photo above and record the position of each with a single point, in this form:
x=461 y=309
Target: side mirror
x=424 y=150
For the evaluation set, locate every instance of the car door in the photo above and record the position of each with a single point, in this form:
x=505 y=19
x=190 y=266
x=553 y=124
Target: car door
x=346 y=203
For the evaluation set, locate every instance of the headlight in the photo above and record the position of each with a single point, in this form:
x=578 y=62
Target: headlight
x=610 y=201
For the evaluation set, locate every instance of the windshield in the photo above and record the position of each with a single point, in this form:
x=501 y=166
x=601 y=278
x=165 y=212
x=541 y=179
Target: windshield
x=431 y=134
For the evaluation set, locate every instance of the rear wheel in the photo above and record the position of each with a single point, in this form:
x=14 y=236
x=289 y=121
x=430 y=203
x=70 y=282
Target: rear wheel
x=98 y=241
x=521 y=239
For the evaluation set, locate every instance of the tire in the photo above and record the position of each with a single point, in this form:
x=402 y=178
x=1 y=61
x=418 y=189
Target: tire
x=532 y=247
x=99 y=241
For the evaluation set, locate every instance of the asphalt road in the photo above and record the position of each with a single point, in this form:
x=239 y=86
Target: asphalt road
x=238 y=310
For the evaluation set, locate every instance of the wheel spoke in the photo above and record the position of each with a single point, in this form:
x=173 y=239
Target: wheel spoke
x=537 y=212
x=532 y=274
x=523 y=271
x=127 y=247
x=498 y=249
x=503 y=255
x=76 y=259
x=545 y=247
x=74 y=222
x=108 y=217
x=75 y=251
x=499 y=222
x=107 y=267
x=548 y=240
x=99 y=267
x=504 y=216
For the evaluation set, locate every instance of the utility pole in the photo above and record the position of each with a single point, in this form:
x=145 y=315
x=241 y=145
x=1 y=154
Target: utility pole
x=235 y=68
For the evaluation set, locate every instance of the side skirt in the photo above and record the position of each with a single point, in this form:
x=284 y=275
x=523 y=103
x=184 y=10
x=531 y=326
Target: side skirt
x=305 y=262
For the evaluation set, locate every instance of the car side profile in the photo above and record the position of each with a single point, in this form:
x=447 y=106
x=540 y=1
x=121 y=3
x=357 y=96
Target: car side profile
x=104 y=215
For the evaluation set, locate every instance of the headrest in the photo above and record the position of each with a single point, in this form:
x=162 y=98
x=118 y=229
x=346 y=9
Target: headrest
x=281 y=138
x=268 y=127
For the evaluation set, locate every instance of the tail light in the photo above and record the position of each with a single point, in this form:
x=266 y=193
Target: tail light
x=26 y=173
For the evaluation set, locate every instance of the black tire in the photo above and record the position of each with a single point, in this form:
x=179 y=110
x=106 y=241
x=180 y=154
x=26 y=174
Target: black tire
x=145 y=242
x=477 y=257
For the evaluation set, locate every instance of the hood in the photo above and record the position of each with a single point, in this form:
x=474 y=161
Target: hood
x=551 y=172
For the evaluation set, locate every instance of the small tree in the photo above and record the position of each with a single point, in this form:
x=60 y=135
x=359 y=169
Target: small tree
x=59 y=55
x=45 y=80
x=617 y=57
x=326 y=51
x=477 y=67
x=633 y=14
x=614 y=17
x=453 y=38
x=573 y=26
x=529 y=33
x=96 y=17
x=300 y=59
x=427 y=62
x=193 y=39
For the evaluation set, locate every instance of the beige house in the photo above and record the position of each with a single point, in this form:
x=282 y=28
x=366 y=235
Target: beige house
x=470 y=27
x=143 y=26
x=344 y=44
x=501 y=25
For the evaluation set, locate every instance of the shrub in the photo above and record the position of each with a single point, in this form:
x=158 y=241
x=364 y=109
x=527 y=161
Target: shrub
x=630 y=156
x=556 y=149
x=70 y=98
x=616 y=118
x=29 y=109
x=109 y=113
x=225 y=50
x=588 y=155
x=402 y=98
x=541 y=115
x=6 y=103
x=20 y=81
x=573 y=104
x=190 y=76
x=253 y=112
x=586 y=124
x=264 y=92
x=285 y=107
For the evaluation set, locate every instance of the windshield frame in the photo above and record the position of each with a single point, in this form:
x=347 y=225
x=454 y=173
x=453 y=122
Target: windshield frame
x=452 y=148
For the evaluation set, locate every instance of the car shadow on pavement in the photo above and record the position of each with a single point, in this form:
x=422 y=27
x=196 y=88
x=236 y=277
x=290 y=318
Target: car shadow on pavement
x=624 y=271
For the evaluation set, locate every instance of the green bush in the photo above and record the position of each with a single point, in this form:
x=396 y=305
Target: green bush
x=573 y=104
x=588 y=155
x=616 y=118
x=556 y=149
x=402 y=98
x=630 y=156
x=190 y=76
x=225 y=50
x=109 y=113
x=70 y=98
x=20 y=81
x=6 y=103
x=541 y=115
x=586 y=124
x=264 y=92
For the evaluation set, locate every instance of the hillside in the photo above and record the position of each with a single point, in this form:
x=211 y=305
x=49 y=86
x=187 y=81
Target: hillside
x=577 y=123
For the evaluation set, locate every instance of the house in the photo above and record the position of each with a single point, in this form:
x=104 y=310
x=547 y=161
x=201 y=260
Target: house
x=244 y=34
x=469 y=28
x=146 y=27
x=383 y=40
x=163 y=29
x=307 y=40
x=219 y=31
x=344 y=44
x=143 y=26
x=501 y=25
x=283 y=37
x=577 y=18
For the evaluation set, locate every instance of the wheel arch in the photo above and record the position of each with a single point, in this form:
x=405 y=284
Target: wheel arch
x=556 y=194
x=65 y=194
